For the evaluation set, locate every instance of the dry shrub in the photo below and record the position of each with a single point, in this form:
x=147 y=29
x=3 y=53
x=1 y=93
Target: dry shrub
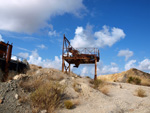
x=23 y=99
x=48 y=96
x=76 y=88
x=68 y=104
x=140 y=92
x=31 y=84
x=104 y=90
x=75 y=102
x=98 y=83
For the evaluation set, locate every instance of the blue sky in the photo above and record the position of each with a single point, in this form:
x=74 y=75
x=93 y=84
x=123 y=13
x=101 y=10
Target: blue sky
x=119 y=28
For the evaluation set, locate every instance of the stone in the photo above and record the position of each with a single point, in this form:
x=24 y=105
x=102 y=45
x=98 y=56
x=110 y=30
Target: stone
x=16 y=96
x=43 y=111
x=1 y=101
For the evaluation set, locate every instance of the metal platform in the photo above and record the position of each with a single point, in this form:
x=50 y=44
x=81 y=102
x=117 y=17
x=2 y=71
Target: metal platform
x=78 y=56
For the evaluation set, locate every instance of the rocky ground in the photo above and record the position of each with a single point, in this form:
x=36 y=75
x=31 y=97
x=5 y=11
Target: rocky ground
x=112 y=97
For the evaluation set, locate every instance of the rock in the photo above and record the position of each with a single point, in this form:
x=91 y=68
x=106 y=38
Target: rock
x=43 y=111
x=1 y=101
x=16 y=96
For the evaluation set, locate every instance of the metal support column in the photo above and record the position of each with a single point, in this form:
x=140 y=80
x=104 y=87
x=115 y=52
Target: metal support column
x=95 y=77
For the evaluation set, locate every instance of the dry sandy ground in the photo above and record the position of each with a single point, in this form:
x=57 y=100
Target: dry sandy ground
x=120 y=99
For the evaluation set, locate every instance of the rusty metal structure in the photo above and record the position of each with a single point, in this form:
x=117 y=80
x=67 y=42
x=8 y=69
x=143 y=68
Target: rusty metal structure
x=5 y=52
x=78 y=56
x=6 y=63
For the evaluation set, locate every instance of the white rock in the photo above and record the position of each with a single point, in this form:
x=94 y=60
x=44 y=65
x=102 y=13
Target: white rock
x=43 y=111
x=16 y=96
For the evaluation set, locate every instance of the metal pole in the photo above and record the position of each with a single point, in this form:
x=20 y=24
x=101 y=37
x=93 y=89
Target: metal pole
x=95 y=77
x=69 y=68
x=63 y=63
x=8 y=58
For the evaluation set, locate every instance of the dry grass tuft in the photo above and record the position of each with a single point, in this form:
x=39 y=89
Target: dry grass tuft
x=140 y=92
x=23 y=99
x=31 y=84
x=76 y=87
x=104 y=90
x=68 y=104
x=48 y=96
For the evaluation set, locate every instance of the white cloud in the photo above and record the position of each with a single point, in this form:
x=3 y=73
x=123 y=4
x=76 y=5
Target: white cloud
x=84 y=71
x=105 y=37
x=126 y=53
x=101 y=69
x=13 y=57
x=42 y=46
x=144 y=65
x=1 y=39
x=130 y=64
x=53 y=33
x=30 y=15
x=108 y=69
x=23 y=55
x=34 y=58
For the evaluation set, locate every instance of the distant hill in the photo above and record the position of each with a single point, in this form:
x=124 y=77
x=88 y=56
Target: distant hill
x=124 y=76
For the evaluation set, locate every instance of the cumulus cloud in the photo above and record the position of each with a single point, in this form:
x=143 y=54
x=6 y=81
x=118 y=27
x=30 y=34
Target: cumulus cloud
x=13 y=58
x=23 y=55
x=101 y=69
x=30 y=15
x=42 y=46
x=34 y=58
x=53 y=33
x=126 y=53
x=84 y=71
x=1 y=39
x=130 y=64
x=144 y=65
x=108 y=69
x=105 y=37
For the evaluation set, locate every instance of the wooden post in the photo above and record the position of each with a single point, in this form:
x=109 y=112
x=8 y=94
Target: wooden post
x=95 y=77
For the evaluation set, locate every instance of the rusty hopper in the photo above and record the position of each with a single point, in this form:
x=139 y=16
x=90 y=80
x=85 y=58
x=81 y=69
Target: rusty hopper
x=78 y=56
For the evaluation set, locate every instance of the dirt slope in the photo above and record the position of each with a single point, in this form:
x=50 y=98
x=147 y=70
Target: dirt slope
x=114 y=98
x=123 y=76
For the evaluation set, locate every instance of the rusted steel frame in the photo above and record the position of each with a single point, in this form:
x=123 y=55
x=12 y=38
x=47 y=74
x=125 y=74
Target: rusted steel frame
x=76 y=58
x=95 y=77
x=8 y=58
x=63 y=55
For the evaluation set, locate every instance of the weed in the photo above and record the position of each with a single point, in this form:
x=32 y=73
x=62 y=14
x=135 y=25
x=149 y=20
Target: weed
x=68 y=104
x=48 y=96
x=104 y=90
x=134 y=80
x=140 y=92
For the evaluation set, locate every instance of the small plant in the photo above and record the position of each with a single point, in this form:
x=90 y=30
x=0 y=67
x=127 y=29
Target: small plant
x=104 y=90
x=31 y=85
x=97 y=83
x=49 y=96
x=23 y=99
x=76 y=88
x=134 y=80
x=140 y=92
x=68 y=104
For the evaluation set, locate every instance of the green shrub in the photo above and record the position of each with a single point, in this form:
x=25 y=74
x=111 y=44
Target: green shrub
x=68 y=104
x=48 y=96
x=134 y=80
